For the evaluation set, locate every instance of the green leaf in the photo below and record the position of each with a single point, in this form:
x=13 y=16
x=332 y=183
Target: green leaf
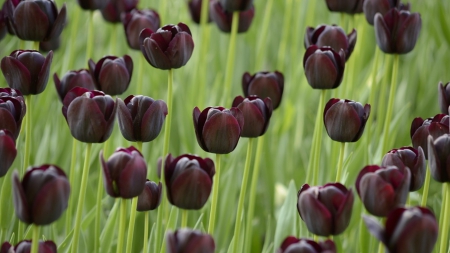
x=286 y=217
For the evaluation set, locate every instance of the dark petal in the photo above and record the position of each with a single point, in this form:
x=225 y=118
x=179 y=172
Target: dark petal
x=155 y=56
x=31 y=23
x=125 y=121
x=239 y=116
x=143 y=34
x=287 y=242
x=107 y=180
x=134 y=27
x=254 y=121
x=44 y=73
x=58 y=86
x=51 y=201
x=320 y=70
x=246 y=78
x=237 y=100
x=132 y=179
x=5 y=247
x=199 y=122
x=239 y=5
x=416 y=123
x=8 y=152
x=383 y=34
x=114 y=77
x=375 y=228
x=334 y=37
x=443 y=96
x=129 y=65
x=245 y=19
x=21 y=205
x=308 y=36
x=266 y=86
x=351 y=43
x=150 y=198
x=342 y=122
x=372 y=7
x=180 y=50
x=316 y=216
x=408 y=33
x=377 y=195
x=344 y=214
x=153 y=120
x=221 y=133
x=59 y=24
x=8 y=122
x=365 y=170
x=438 y=157
x=220 y=16
x=16 y=74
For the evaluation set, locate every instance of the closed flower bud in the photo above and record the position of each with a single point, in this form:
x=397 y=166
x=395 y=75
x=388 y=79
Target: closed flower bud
x=236 y=5
x=382 y=189
x=397 y=31
x=256 y=112
x=195 y=9
x=413 y=159
x=332 y=36
x=42 y=196
x=223 y=18
x=345 y=119
x=137 y=20
x=324 y=67
x=115 y=8
x=74 y=78
x=218 y=129
x=8 y=151
x=112 y=74
x=346 y=6
x=438 y=156
x=141 y=118
x=89 y=114
x=27 y=71
x=372 y=7
x=186 y=240
x=295 y=245
x=150 y=197
x=444 y=97
x=25 y=247
x=92 y=5
x=412 y=230
x=12 y=110
x=264 y=84
x=327 y=209
x=124 y=173
x=420 y=129
x=189 y=180
x=170 y=47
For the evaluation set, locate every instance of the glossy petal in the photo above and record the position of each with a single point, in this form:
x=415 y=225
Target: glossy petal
x=150 y=198
x=8 y=151
x=31 y=23
x=131 y=181
x=16 y=74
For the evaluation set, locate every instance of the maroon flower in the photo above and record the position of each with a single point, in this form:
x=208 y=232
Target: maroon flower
x=295 y=245
x=137 y=20
x=444 y=97
x=112 y=74
x=12 y=110
x=223 y=18
x=150 y=197
x=8 y=151
x=324 y=67
x=92 y=4
x=195 y=9
x=115 y=8
x=25 y=247
x=73 y=78
x=347 y=6
x=189 y=241
x=236 y=5
x=256 y=112
x=372 y=7
x=438 y=156
x=264 y=84
x=420 y=129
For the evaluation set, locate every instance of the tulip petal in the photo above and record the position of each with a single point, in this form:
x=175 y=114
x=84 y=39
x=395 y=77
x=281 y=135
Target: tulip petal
x=316 y=216
x=344 y=214
x=59 y=24
x=21 y=205
x=180 y=50
x=377 y=195
x=31 y=23
x=132 y=179
x=43 y=75
x=375 y=228
x=221 y=133
x=114 y=77
x=155 y=56
x=8 y=153
x=107 y=180
x=408 y=33
x=153 y=120
x=342 y=122
x=321 y=71
x=7 y=122
x=16 y=74
x=190 y=189
x=383 y=34
x=199 y=122
x=125 y=121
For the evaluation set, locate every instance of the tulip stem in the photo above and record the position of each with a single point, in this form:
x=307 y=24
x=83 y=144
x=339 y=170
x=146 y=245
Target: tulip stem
x=81 y=199
x=131 y=225
x=90 y=37
x=145 y=248
x=263 y=36
x=71 y=182
x=98 y=210
x=373 y=91
x=445 y=224
x=215 y=193
x=139 y=146
x=35 y=240
x=390 y=103
x=426 y=187
x=140 y=77
x=231 y=55
x=285 y=35
x=380 y=247
x=204 y=42
x=184 y=218
x=122 y=222
x=341 y=162
x=314 y=162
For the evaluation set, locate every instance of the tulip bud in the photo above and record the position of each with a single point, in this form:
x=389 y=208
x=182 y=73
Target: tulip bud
x=89 y=114
x=3 y=28
x=256 y=112
x=112 y=74
x=218 y=129
x=382 y=189
x=345 y=119
x=137 y=20
x=332 y=36
x=411 y=158
x=327 y=209
x=170 y=47
x=115 y=8
x=264 y=84
x=8 y=151
x=412 y=230
x=150 y=197
x=92 y=5
x=189 y=180
x=189 y=241
x=236 y=5
x=324 y=68
x=438 y=155
x=124 y=173
x=444 y=97
x=27 y=71
x=224 y=18
x=420 y=129
x=195 y=9
x=73 y=78
x=141 y=118
x=294 y=245
x=25 y=247
x=12 y=110
x=347 y=6
x=372 y=7
x=397 y=31
x=42 y=196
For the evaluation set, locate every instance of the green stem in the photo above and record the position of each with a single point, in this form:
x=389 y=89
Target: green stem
x=140 y=76
x=184 y=218
x=392 y=90
x=204 y=43
x=113 y=46
x=71 y=182
x=35 y=240
x=426 y=187
x=122 y=222
x=445 y=224
x=81 y=199
x=90 y=38
x=145 y=248
x=362 y=233
x=318 y=141
x=341 y=162
x=139 y=146
x=373 y=91
x=73 y=37
x=98 y=211
x=260 y=50
x=285 y=35
x=131 y=225
x=215 y=194
x=380 y=247
x=231 y=55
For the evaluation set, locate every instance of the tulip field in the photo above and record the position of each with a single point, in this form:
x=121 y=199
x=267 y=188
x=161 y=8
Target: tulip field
x=228 y=126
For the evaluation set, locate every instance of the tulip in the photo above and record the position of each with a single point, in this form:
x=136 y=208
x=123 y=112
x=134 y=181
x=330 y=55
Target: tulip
x=92 y=5
x=382 y=189
x=73 y=78
x=236 y=5
x=372 y=7
x=50 y=45
x=89 y=114
x=397 y=31
x=170 y=47
x=189 y=241
x=124 y=173
x=264 y=84
x=137 y=20
x=3 y=28
x=195 y=9
x=141 y=118
x=25 y=247
x=223 y=18
x=189 y=180
x=150 y=197
x=42 y=196
x=412 y=230
x=324 y=68
x=332 y=36
x=27 y=70
x=256 y=112
x=218 y=129
x=438 y=155
x=420 y=129
x=347 y=6
x=444 y=97
x=112 y=74
x=12 y=110
x=115 y=8
x=294 y=245
x=327 y=209
x=411 y=158
x=8 y=151
x=345 y=119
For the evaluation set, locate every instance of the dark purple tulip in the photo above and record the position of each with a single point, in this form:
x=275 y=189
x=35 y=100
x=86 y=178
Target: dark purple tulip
x=345 y=119
x=420 y=129
x=12 y=110
x=92 y=5
x=438 y=156
x=372 y=7
x=189 y=180
x=115 y=8
x=236 y=5
x=112 y=74
x=256 y=112
x=264 y=84
x=137 y=20
x=413 y=159
x=8 y=151
x=218 y=129
x=25 y=247
x=150 y=197
x=347 y=6
x=141 y=118
x=327 y=209
x=195 y=9
x=299 y=245
x=185 y=240
x=7 y=11
x=444 y=97
x=332 y=36
x=124 y=173
x=170 y=47
x=224 y=18
x=397 y=31
x=89 y=114
x=42 y=196
x=73 y=78
x=27 y=71
x=382 y=189
x=3 y=28
x=412 y=230
x=324 y=68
